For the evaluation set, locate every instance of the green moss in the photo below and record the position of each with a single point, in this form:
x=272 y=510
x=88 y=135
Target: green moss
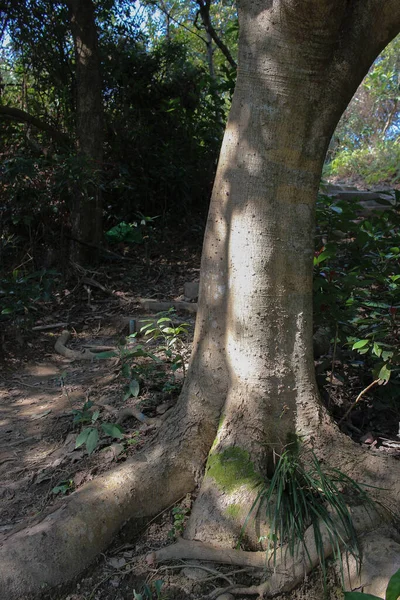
x=221 y=421
x=233 y=511
x=231 y=469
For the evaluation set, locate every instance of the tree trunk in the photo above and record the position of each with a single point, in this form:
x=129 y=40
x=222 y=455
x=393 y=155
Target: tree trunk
x=295 y=78
x=251 y=382
x=87 y=211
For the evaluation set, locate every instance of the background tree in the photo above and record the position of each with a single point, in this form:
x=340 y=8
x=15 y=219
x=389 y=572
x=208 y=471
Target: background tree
x=170 y=104
x=87 y=206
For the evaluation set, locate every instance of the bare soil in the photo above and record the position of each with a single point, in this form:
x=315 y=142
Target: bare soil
x=40 y=389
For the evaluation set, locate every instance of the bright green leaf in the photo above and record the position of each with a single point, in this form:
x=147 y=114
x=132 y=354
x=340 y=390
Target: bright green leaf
x=377 y=350
x=360 y=344
x=384 y=375
x=393 y=588
x=92 y=440
x=112 y=430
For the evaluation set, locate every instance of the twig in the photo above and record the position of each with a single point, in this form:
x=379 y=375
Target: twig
x=50 y=326
x=36 y=387
x=332 y=366
x=360 y=395
x=99 y=348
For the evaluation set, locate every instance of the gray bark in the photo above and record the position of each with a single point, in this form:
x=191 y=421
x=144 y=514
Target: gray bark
x=299 y=65
x=252 y=365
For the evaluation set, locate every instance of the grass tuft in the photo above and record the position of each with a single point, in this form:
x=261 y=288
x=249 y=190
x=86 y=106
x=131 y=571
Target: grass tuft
x=301 y=494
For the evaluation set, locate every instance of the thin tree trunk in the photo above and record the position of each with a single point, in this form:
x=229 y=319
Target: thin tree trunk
x=87 y=211
x=210 y=55
x=204 y=8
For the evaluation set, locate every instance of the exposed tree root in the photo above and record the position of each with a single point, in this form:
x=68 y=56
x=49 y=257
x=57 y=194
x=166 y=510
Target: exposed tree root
x=56 y=548
x=288 y=572
x=193 y=550
x=61 y=348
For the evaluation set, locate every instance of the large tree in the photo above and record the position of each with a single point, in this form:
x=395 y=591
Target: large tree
x=251 y=381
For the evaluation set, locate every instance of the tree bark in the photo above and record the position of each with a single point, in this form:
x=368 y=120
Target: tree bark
x=23 y=117
x=299 y=65
x=251 y=377
x=87 y=210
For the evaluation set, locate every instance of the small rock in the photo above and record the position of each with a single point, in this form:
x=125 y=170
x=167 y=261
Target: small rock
x=368 y=438
x=194 y=573
x=191 y=290
x=117 y=563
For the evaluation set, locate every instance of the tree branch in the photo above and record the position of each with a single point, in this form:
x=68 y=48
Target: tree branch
x=23 y=117
x=204 y=7
x=357 y=21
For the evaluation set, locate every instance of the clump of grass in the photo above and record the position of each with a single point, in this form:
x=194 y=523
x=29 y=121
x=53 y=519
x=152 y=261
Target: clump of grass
x=301 y=494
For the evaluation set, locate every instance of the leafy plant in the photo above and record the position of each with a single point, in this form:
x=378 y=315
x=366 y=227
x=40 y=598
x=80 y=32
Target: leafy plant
x=392 y=591
x=179 y=516
x=357 y=284
x=170 y=334
x=133 y=233
x=132 y=371
x=21 y=291
x=63 y=487
x=90 y=436
x=150 y=594
x=300 y=494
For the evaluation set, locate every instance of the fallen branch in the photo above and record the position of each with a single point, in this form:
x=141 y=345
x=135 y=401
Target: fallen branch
x=360 y=395
x=49 y=326
x=157 y=306
x=61 y=348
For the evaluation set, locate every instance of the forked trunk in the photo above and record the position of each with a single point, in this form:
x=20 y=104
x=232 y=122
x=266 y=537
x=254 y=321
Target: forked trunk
x=255 y=306
x=251 y=371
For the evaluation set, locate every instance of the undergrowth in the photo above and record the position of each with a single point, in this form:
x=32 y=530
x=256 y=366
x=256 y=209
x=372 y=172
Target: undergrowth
x=303 y=493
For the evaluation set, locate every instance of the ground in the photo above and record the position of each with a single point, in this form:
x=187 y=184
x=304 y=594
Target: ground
x=40 y=389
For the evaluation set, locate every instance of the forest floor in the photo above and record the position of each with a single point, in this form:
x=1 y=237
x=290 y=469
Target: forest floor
x=41 y=391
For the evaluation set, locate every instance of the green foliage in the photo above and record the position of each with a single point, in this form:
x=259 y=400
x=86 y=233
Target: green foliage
x=357 y=284
x=22 y=292
x=179 y=517
x=153 y=592
x=302 y=493
x=63 y=487
x=133 y=233
x=392 y=591
x=167 y=337
x=132 y=371
x=90 y=436
x=365 y=144
x=171 y=336
x=168 y=119
x=376 y=164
